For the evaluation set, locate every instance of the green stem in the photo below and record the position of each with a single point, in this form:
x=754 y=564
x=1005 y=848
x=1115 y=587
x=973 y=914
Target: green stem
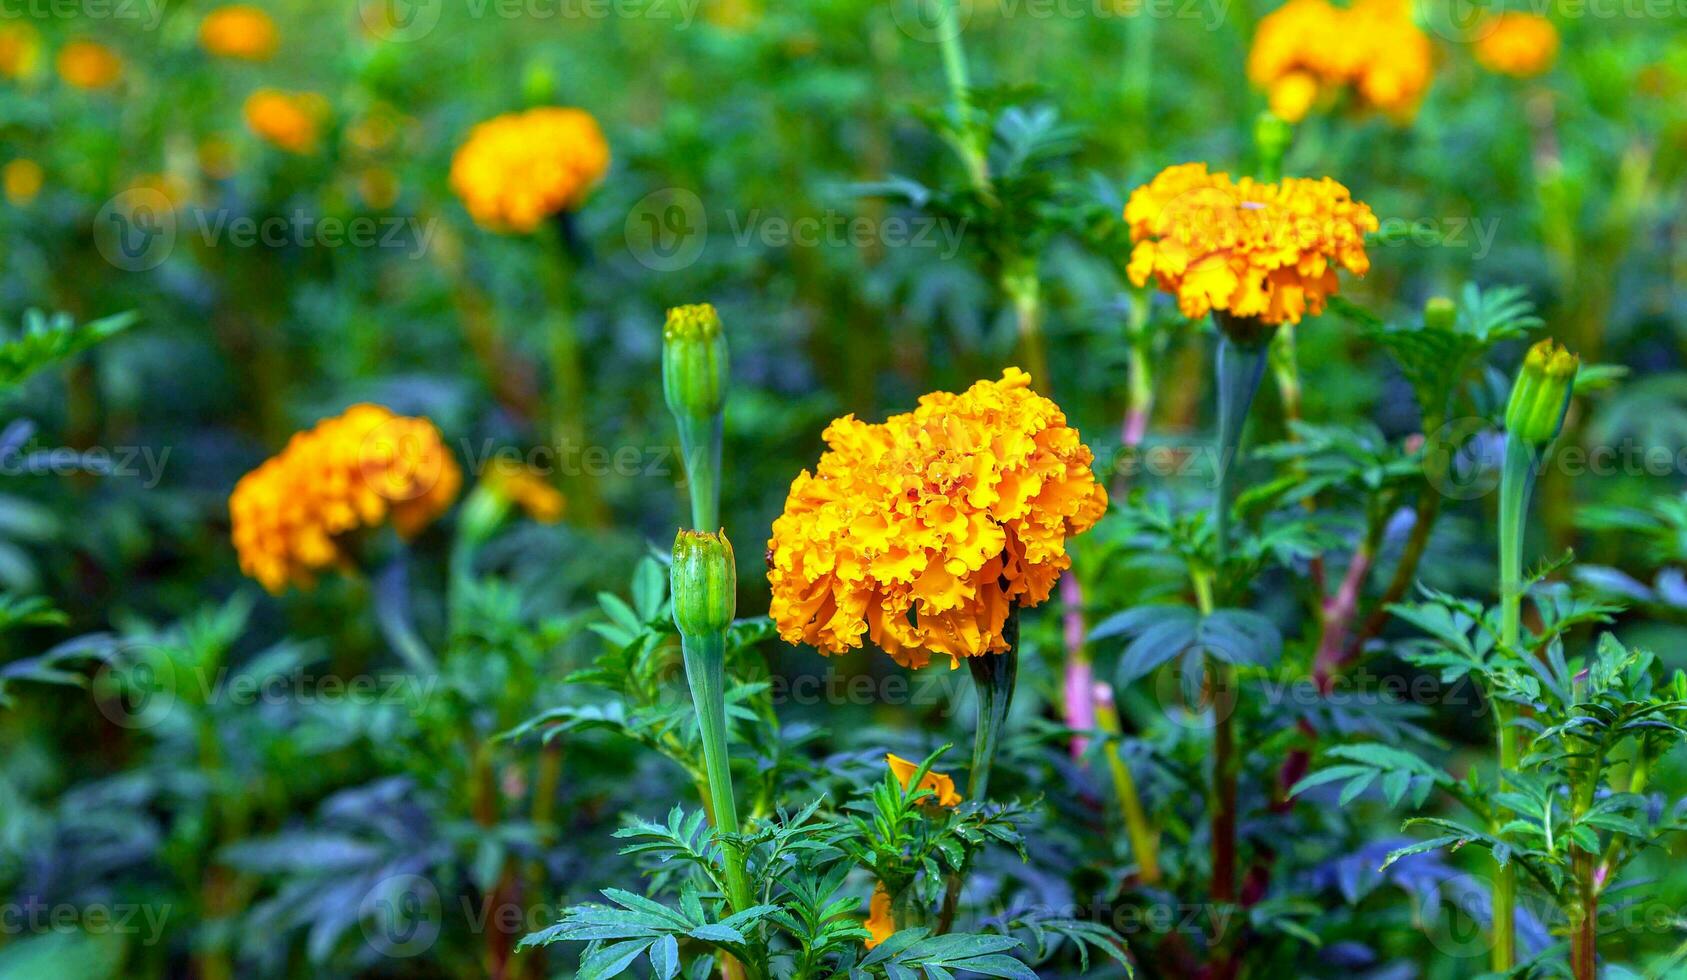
x=700 y=444
x=955 y=70
x=705 y=671
x=1516 y=480
x=1145 y=843
x=993 y=676
x=1239 y=368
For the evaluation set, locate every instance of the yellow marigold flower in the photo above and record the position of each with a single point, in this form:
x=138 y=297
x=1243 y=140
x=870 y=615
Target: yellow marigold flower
x=292 y=516
x=23 y=179
x=953 y=513
x=1251 y=249
x=285 y=119
x=89 y=65
x=879 y=920
x=239 y=31
x=516 y=170
x=1520 y=45
x=20 y=50
x=941 y=786
x=1372 y=49
x=520 y=485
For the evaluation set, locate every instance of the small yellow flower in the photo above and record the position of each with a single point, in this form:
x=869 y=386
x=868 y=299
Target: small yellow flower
x=1251 y=249
x=294 y=515
x=1520 y=45
x=941 y=786
x=879 y=920
x=20 y=50
x=516 y=170
x=23 y=179
x=522 y=486
x=239 y=31
x=171 y=187
x=1370 y=49
x=288 y=120
x=922 y=532
x=89 y=65
x=378 y=187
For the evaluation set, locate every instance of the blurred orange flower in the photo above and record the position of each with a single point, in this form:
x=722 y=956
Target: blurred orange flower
x=239 y=31
x=941 y=786
x=510 y=480
x=286 y=119
x=292 y=516
x=1520 y=45
x=1251 y=249
x=89 y=65
x=1309 y=48
x=950 y=514
x=516 y=170
x=879 y=920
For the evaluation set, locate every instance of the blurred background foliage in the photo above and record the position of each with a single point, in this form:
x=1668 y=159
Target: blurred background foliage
x=260 y=827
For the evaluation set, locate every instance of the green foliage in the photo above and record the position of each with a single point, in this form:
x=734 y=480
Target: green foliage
x=43 y=341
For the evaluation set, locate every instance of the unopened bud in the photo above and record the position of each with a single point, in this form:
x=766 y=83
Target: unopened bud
x=1440 y=314
x=705 y=583
x=1541 y=394
x=694 y=362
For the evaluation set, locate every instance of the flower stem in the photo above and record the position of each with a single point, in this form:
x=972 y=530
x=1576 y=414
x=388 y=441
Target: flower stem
x=1145 y=844
x=700 y=443
x=1516 y=480
x=993 y=676
x=1239 y=368
x=705 y=672
x=955 y=70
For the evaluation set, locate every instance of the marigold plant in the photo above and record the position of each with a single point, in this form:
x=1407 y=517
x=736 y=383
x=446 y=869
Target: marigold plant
x=89 y=65
x=288 y=120
x=1247 y=248
x=292 y=516
x=22 y=179
x=951 y=514
x=525 y=487
x=1517 y=44
x=239 y=31
x=516 y=170
x=1307 y=49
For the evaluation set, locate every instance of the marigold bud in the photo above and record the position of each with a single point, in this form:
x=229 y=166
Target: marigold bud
x=1440 y=313
x=704 y=582
x=694 y=362
x=1541 y=394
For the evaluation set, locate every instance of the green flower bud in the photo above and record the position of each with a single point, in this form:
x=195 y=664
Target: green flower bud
x=705 y=583
x=1441 y=314
x=1541 y=394
x=694 y=362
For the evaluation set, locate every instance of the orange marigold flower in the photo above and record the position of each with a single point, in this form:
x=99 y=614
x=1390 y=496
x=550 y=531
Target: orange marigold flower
x=20 y=50
x=942 y=787
x=288 y=120
x=89 y=65
x=516 y=170
x=239 y=31
x=879 y=920
x=1520 y=45
x=1251 y=249
x=1306 y=48
x=953 y=513
x=518 y=484
x=293 y=515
